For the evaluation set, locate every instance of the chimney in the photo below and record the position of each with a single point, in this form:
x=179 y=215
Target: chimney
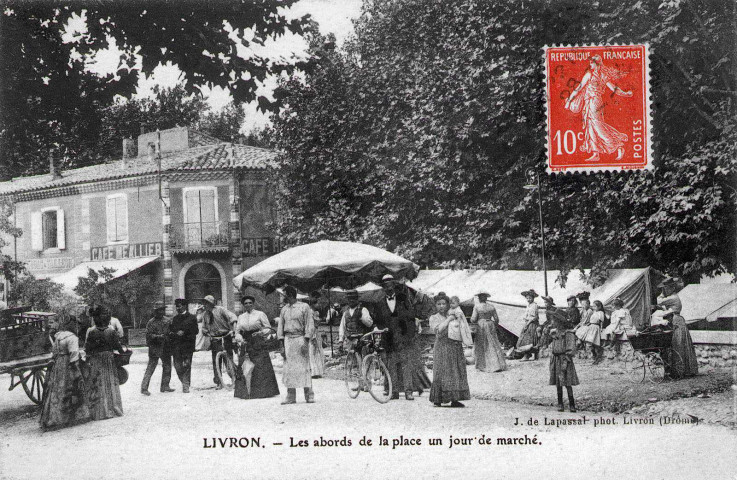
x=129 y=147
x=151 y=151
x=55 y=174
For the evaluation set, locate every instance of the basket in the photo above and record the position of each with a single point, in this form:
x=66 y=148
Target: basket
x=652 y=341
x=122 y=359
x=269 y=343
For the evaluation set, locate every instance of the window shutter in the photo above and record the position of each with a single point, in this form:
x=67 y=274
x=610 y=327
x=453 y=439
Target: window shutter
x=37 y=241
x=110 y=218
x=121 y=217
x=60 y=237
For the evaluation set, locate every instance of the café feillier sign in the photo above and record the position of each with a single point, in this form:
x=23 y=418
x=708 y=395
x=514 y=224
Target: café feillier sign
x=261 y=246
x=133 y=250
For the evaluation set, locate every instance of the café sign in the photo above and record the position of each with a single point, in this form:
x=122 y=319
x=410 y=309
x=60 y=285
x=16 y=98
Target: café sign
x=261 y=246
x=50 y=263
x=133 y=250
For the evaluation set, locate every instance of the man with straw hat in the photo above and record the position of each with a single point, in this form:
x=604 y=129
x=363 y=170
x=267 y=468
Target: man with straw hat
x=355 y=320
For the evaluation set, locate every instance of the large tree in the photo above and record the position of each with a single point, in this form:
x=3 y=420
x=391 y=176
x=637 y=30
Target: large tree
x=50 y=103
x=416 y=135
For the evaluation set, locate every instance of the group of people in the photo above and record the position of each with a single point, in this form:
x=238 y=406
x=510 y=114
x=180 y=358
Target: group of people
x=82 y=383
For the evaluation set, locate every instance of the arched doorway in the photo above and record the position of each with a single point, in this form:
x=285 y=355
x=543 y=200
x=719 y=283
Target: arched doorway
x=202 y=279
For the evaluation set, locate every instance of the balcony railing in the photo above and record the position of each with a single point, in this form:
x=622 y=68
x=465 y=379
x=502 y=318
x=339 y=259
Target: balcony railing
x=199 y=235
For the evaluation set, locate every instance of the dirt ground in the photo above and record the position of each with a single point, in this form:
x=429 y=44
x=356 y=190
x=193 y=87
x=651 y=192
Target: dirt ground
x=603 y=388
x=170 y=436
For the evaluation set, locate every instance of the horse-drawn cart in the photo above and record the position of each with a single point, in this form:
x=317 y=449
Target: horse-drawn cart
x=25 y=349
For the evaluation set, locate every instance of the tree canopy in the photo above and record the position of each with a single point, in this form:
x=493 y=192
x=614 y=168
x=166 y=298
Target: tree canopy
x=50 y=103
x=416 y=135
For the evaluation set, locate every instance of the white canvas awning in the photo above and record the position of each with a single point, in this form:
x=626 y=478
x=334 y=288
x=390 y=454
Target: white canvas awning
x=70 y=278
x=709 y=301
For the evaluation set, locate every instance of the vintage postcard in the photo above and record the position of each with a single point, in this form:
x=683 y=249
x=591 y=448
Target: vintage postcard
x=370 y=239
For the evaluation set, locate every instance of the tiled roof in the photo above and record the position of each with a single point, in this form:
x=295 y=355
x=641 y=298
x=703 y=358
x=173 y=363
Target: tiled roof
x=220 y=156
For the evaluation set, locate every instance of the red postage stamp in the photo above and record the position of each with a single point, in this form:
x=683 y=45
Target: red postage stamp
x=598 y=105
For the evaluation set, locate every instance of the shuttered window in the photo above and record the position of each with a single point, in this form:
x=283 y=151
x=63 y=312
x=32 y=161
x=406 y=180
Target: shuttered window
x=47 y=229
x=117 y=218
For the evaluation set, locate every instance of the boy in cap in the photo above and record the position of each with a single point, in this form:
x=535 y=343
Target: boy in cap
x=183 y=335
x=157 y=334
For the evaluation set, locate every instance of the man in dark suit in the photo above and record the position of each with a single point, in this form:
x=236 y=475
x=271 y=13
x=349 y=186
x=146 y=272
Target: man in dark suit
x=393 y=312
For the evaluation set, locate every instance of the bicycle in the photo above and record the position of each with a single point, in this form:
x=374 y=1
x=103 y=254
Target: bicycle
x=224 y=363
x=368 y=373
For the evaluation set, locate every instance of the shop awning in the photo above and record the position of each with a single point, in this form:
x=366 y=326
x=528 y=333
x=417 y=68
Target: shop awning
x=70 y=278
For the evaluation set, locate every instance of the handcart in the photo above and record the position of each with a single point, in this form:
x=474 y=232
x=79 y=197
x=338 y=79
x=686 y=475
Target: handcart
x=25 y=350
x=652 y=356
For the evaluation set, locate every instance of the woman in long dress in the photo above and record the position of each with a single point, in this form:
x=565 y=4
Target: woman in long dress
x=250 y=330
x=529 y=339
x=317 y=355
x=587 y=98
x=64 y=401
x=450 y=379
x=686 y=363
x=103 y=387
x=487 y=350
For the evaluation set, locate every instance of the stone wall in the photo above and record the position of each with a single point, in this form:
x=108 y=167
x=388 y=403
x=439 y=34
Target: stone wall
x=716 y=355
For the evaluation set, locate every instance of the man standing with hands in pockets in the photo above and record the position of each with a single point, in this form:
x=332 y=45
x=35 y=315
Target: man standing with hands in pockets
x=295 y=329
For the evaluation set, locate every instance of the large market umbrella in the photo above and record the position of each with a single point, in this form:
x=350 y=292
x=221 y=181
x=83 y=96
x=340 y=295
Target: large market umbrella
x=326 y=263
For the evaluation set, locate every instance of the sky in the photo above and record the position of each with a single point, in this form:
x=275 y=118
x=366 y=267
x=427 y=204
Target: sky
x=334 y=16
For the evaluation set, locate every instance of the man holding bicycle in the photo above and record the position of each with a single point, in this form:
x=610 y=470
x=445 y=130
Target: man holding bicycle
x=355 y=320
x=218 y=323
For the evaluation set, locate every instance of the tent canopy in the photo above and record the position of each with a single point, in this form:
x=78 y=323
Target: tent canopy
x=633 y=286
x=314 y=265
x=708 y=301
x=70 y=278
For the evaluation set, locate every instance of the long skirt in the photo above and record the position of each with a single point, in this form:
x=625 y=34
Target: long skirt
x=487 y=349
x=420 y=380
x=297 y=370
x=562 y=371
x=449 y=377
x=687 y=365
x=263 y=378
x=590 y=334
x=64 y=402
x=103 y=389
x=529 y=335
x=317 y=357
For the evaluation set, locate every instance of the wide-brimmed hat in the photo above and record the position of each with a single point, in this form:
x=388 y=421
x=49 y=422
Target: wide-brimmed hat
x=482 y=293
x=351 y=293
x=668 y=282
x=180 y=301
x=530 y=293
x=388 y=278
x=572 y=297
x=209 y=299
x=548 y=299
x=584 y=295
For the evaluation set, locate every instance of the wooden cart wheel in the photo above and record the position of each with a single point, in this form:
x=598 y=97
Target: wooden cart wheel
x=33 y=382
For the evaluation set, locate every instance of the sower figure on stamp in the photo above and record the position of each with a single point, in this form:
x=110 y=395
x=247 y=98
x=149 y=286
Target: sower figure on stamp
x=183 y=335
x=587 y=98
x=157 y=339
x=295 y=329
x=393 y=313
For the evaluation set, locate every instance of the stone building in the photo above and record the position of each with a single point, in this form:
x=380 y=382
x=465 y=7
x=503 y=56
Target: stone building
x=188 y=209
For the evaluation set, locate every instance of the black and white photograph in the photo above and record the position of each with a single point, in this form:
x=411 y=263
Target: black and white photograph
x=320 y=239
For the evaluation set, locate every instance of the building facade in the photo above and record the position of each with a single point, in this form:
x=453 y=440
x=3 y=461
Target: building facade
x=189 y=210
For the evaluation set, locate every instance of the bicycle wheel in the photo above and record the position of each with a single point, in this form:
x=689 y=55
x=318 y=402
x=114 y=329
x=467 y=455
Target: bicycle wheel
x=353 y=374
x=634 y=367
x=378 y=380
x=225 y=370
x=656 y=367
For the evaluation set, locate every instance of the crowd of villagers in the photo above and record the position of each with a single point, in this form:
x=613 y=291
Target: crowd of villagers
x=84 y=380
